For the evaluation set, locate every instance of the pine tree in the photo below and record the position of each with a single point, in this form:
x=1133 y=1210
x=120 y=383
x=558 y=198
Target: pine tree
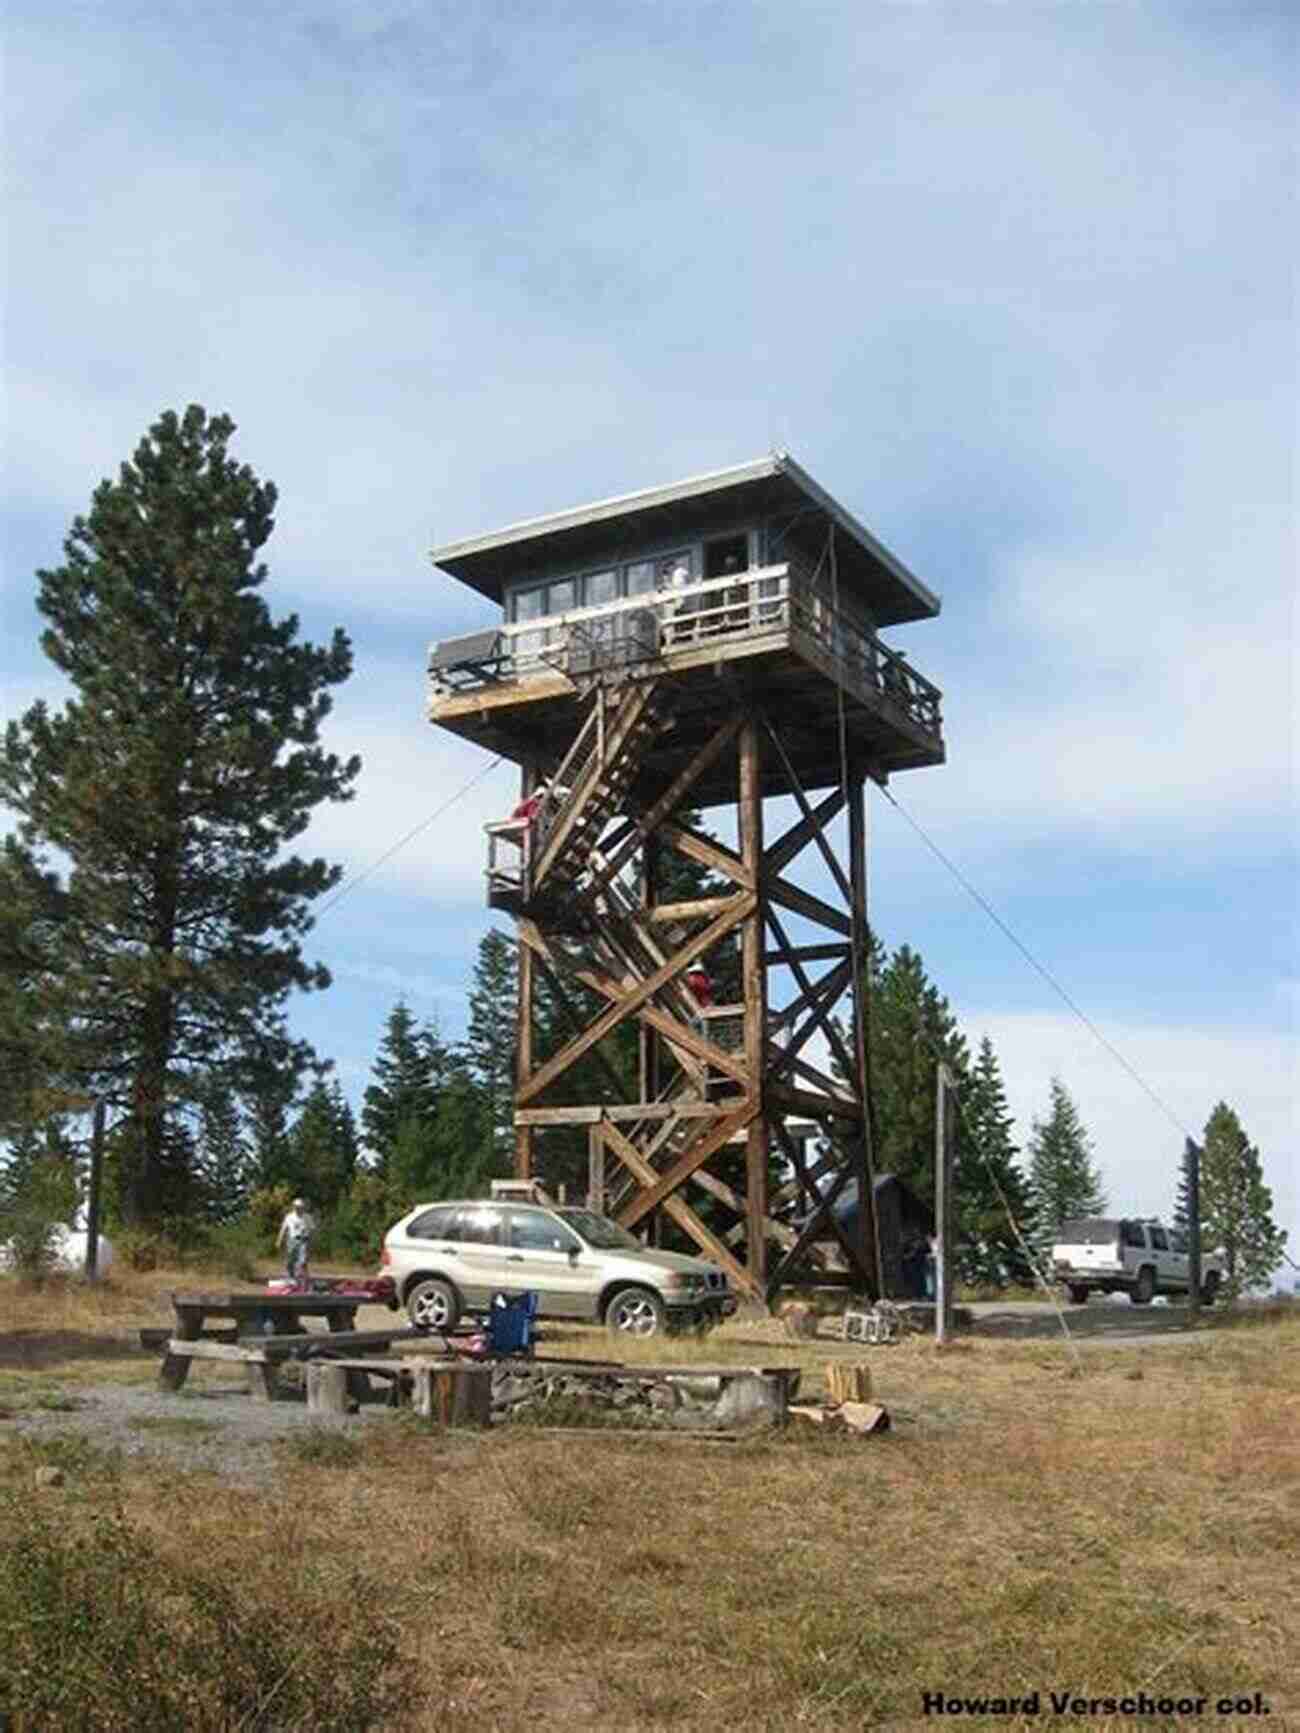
x=1236 y=1205
x=405 y=1088
x=269 y=1104
x=988 y=1183
x=41 y=1057
x=912 y=1027
x=321 y=1152
x=224 y=1160
x=490 y=1037
x=1063 y=1182
x=173 y=780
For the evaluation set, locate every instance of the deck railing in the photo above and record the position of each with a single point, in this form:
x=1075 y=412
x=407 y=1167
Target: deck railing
x=659 y=625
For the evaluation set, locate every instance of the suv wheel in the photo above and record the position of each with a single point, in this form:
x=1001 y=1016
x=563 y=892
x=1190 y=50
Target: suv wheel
x=433 y=1305
x=1145 y=1286
x=1078 y=1294
x=635 y=1312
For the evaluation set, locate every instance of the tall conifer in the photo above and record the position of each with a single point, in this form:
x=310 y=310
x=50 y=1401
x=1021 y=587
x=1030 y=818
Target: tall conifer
x=173 y=779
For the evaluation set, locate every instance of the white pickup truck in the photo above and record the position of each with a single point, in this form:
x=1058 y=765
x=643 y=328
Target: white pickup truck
x=1137 y=1258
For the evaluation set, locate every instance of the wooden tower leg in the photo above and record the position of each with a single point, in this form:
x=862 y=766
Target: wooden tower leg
x=869 y=1245
x=755 y=1002
x=524 y=1022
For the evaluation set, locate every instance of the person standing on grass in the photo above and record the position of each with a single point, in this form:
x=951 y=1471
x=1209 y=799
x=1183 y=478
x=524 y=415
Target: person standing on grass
x=295 y=1237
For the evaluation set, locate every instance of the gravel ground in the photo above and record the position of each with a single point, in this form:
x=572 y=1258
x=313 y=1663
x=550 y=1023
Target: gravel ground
x=215 y=1430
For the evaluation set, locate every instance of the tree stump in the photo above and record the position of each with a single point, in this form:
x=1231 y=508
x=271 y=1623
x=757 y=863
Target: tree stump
x=453 y=1395
x=848 y=1381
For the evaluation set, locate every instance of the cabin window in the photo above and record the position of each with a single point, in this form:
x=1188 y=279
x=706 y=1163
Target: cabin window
x=529 y=604
x=1134 y=1234
x=642 y=577
x=599 y=588
x=562 y=596
x=1158 y=1240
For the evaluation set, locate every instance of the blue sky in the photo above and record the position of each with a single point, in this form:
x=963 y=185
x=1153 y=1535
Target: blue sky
x=1015 y=281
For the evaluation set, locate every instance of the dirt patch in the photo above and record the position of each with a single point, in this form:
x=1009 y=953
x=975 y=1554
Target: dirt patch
x=220 y=1431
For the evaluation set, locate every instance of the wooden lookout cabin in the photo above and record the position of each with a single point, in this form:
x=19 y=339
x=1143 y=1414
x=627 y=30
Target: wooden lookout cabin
x=711 y=644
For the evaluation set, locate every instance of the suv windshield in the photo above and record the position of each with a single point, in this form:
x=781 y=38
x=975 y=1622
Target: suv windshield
x=599 y=1232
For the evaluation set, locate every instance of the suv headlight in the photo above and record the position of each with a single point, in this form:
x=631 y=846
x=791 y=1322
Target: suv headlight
x=676 y=1279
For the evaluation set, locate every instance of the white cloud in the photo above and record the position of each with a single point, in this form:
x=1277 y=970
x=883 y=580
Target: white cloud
x=411 y=774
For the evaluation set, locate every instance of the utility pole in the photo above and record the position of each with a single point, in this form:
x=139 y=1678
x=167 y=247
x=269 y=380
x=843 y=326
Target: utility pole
x=1192 y=1170
x=943 y=1211
x=93 y=1190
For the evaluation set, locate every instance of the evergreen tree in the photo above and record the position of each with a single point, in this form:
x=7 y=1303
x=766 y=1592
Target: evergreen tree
x=490 y=1037
x=1063 y=1182
x=269 y=1103
x=224 y=1160
x=911 y=1028
x=173 y=780
x=407 y=1074
x=988 y=1181
x=40 y=1057
x=321 y=1150
x=1236 y=1205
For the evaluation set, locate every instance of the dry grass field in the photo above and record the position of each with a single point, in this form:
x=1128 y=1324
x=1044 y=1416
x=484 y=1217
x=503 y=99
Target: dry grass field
x=1128 y=1524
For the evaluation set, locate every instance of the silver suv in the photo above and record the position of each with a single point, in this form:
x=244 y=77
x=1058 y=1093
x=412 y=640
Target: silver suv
x=450 y=1258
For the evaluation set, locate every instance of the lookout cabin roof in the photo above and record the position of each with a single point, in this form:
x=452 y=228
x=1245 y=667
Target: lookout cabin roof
x=773 y=489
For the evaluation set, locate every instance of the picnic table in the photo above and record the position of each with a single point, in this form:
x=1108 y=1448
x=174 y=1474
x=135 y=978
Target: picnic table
x=261 y=1318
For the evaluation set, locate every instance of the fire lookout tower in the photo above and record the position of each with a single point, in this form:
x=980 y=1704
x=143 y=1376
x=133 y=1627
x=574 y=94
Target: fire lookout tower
x=701 y=646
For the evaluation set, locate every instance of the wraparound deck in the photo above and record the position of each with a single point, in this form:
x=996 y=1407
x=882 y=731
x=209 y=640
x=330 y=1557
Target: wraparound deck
x=775 y=631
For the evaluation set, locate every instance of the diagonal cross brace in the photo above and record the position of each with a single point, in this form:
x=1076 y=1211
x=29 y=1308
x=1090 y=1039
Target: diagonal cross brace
x=681 y=960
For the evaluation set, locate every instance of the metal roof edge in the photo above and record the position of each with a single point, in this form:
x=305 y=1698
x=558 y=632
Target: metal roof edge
x=598 y=510
x=710 y=481
x=859 y=531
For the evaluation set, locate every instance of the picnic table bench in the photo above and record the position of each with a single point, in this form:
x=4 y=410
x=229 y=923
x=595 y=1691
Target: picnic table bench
x=268 y=1328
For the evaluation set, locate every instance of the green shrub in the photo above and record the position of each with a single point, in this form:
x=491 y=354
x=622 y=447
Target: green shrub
x=141 y=1249
x=101 y=1631
x=233 y=1250
x=32 y=1213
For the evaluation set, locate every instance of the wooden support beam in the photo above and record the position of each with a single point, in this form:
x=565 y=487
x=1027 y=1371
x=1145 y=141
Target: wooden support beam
x=624 y=844
x=810 y=818
x=707 y=853
x=652 y=1111
x=832 y=1034
x=807 y=954
x=754 y=996
x=686 y=1218
x=671 y=913
x=867 y=1220
x=852 y=1254
x=803 y=903
x=797 y=838
x=568 y=1055
x=677 y=1033
x=659 y=1187
x=810 y=1231
x=595 y=1169
x=774 y=1230
x=779 y=1062
x=816 y=1107
x=524 y=1025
